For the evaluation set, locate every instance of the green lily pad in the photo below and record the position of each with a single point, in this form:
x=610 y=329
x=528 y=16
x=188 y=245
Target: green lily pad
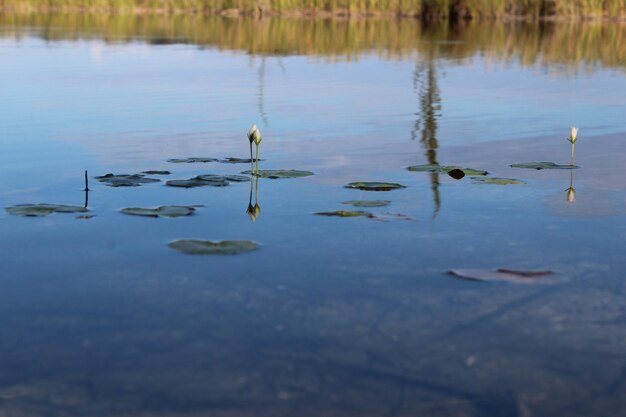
x=543 y=165
x=375 y=186
x=191 y=160
x=163 y=211
x=157 y=172
x=236 y=178
x=40 y=210
x=496 y=181
x=208 y=180
x=238 y=160
x=446 y=169
x=425 y=168
x=346 y=213
x=367 y=203
x=134 y=180
x=207 y=247
x=279 y=173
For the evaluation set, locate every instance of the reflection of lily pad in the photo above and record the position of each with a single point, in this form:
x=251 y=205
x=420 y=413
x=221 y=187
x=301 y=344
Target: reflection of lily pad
x=156 y=172
x=134 y=180
x=446 y=169
x=40 y=210
x=507 y=275
x=238 y=160
x=543 y=165
x=207 y=247
x=496 y=181
x=164 y=211
x=375 y=186
x=346 y=213
x=191 y=160
x=279 y=173
x=367 y=203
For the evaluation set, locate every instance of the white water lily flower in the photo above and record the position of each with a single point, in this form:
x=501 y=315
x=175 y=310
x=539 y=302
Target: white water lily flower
x=254 y=135
x=573 y=133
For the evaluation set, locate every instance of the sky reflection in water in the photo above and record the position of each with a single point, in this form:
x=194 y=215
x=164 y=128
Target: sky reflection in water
x=331 y=316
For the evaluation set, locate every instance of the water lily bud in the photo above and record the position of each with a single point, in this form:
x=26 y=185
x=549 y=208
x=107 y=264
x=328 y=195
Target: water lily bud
x=257 y=136
x=571 y=195
x=253 y=133
x=573 y=133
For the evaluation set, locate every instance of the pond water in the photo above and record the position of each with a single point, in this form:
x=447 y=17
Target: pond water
x=330 y=316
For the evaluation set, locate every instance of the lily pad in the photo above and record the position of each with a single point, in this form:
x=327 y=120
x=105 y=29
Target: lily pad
x=191 y=160
x=207 y=247
x=208 y=180
x=508 y=275
x=279 y=173
x=496 y=181
x=40 y=210
x=425 y=168
x=446 y=169
x=543 y=165
x=163 y=211
x=238 y=160
x=346 y=213
x=367 y=203
x=236 y=178
x=157 y=172
x=134 y=180
x=375 y=186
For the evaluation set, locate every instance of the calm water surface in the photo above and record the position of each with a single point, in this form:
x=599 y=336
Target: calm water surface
x=331 y=316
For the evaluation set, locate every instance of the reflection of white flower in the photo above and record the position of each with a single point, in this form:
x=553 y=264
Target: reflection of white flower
x=573 y=133
x=254 y=135
x=571 y=195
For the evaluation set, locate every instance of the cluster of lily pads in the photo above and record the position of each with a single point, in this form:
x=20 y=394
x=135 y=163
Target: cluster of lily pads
x=229 y=247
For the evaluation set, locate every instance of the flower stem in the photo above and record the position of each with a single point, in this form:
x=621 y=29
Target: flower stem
x=572 y=163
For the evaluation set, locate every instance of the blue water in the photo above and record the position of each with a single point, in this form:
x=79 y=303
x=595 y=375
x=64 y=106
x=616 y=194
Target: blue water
x=331 y=316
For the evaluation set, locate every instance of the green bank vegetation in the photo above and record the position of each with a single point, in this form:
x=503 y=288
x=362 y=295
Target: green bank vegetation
x=422 y=8
x=563 y=47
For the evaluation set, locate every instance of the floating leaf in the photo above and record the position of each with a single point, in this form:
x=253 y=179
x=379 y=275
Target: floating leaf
x=134 y=180
x=446 y=169
x=191 y=160
x=239 y=160
x=425 y=168
x=207 y=247
x=543 y=165
x=163 y=211
x=374 y=186
x=85 y=217
x=156 y=172
x=236 y=178
x=367 y=203
x=346 y=213
x=208 y=180
x=40 y=210
x=467 y=171
x=457 y=174
x=496 y=181
x=507 y=275
x=279 y=173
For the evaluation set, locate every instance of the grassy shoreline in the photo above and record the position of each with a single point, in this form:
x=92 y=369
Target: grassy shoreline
x=425 y=9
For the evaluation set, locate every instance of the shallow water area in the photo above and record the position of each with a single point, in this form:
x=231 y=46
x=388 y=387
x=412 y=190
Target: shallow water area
x=329 y=316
